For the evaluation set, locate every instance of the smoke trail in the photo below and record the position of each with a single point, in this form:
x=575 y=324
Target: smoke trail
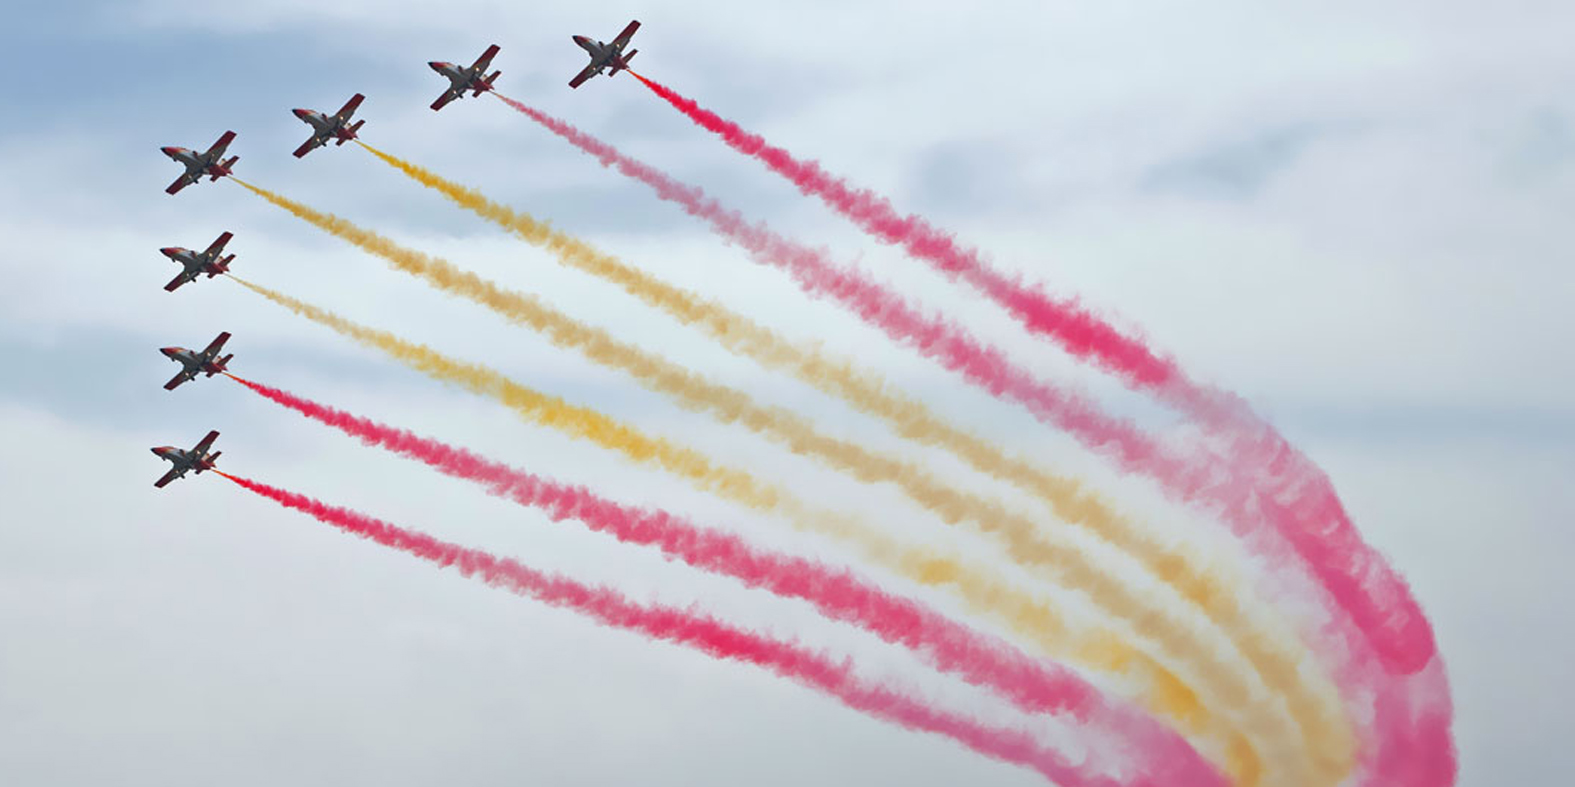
x=1315 y=708
x=1312 y=519
x=977 y=586
x=698 y=632
x=1060 y=563
x=981 y=660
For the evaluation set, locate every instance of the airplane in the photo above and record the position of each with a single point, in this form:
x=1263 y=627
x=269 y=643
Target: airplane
x=196 y=460
x=463 y=79
x=196 y=264
x=325 y=126
x=194 y=363
x=199 y=164
x=604 y=55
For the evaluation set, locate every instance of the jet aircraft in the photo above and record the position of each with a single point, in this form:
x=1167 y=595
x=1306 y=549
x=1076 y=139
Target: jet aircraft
x=209 y=162
x=324 y=127
x=463 y=79
x=194 y=363
x=605 y=55
x=196 y=264
x=196 y=460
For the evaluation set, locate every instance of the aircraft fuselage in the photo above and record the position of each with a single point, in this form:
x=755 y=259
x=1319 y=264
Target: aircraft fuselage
x=184 y=461
x=195 y=164
x=602 y=54
x=192 y=261
x=458 y=78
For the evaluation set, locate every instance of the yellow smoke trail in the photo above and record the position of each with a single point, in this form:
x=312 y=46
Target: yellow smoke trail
x=1222 y=681
x=1268 y=646
x=1163 y=692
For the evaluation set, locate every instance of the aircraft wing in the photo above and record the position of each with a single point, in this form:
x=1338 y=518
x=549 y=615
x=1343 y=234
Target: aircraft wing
x=180 y=183
x=585 y=73
x=348 y=109
x=212 y=350
x=217 y=151
x=623 y=38
x=175 y=381
x=173 y=474
x=448 y=95
x=205 y=443
x=307 y=147
x=217 y=245
x=485 y=60
x=176 y=282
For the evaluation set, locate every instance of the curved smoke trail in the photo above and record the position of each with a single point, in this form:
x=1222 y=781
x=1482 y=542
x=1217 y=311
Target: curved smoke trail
x=1059 y=562
x=1391 y=652
x=978 y=586
x=702 y=633
x=1311 y=518
x=1033 y=685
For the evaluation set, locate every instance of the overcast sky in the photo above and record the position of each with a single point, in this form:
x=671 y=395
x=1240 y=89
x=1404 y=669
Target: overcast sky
x=1357 y=217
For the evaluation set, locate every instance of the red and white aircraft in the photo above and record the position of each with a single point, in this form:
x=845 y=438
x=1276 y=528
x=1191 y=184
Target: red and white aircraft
x=194 y=363
x=196 y=264
x=463 y=79
x=604 y=56
x=196 y=460
x=208 y=163
x=324 y=127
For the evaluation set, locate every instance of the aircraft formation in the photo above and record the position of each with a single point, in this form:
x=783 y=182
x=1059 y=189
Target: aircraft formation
x=1208 y=667
x=337 y=128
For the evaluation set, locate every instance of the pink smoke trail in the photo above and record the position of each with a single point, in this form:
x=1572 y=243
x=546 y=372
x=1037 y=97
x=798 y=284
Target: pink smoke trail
x=979 y=659
x=1377 y=599
x=699 y=632
x=1351 y=572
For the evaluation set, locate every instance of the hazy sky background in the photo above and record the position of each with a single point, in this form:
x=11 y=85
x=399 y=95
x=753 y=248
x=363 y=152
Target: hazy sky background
x=1357 y=217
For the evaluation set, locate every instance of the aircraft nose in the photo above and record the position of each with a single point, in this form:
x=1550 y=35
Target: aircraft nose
x=300 y=113
x=435 y=65
x=169 y=251
x=580 y=39
x=158 y=451
x=170 y=351
x=169 y=150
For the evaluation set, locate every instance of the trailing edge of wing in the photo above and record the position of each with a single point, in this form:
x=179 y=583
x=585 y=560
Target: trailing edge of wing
x=585 y=73
x=206 y=442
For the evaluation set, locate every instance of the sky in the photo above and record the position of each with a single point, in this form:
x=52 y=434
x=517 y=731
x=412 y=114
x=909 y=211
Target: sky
x=1355 y=215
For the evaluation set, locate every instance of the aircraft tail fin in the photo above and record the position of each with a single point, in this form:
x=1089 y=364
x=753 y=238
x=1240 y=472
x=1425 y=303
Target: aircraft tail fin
x=628 y=57
x=350 y=133
x=486 y=84
x=221 y=364
x=213 y=457
x=224 y=167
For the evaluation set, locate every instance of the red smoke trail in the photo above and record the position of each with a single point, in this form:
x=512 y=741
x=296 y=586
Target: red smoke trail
x=1311 y=516
x=1388 y=625
x=839 y=595
x=699 y=632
